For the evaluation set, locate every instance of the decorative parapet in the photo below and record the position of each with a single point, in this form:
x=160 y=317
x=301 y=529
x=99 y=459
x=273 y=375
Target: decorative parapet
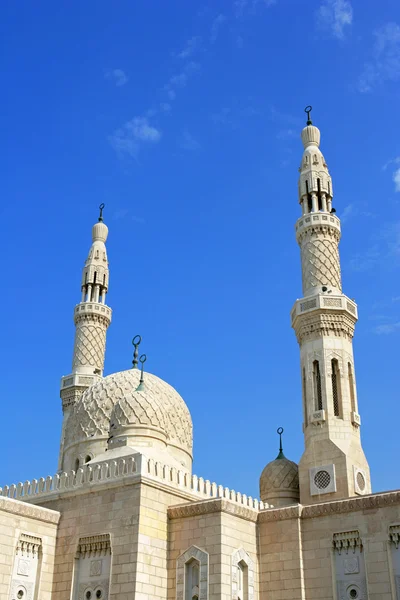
x=131 y=467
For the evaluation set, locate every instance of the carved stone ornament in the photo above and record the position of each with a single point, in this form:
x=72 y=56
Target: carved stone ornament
x=394 y=535
x=210 y=506
x=95 y=545
x=351 y=565
x=347 y=540
x=95 y=568
x=25 y=586
x=92 y=587
x=27 y=510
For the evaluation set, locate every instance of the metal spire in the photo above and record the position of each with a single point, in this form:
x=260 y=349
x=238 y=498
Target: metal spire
x=142 y=360
x=307 y=110
x=101 y=207
x=279 y=431
x=136 y=342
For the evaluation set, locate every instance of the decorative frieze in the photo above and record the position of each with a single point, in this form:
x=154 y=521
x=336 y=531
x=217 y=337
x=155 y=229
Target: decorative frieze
x=347 y=540
x=95 y=545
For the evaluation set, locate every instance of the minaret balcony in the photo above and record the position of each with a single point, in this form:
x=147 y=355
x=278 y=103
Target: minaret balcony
x=320 y=219
x=324 y=302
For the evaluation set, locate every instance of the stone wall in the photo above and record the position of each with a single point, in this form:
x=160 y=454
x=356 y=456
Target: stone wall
x=27 y=549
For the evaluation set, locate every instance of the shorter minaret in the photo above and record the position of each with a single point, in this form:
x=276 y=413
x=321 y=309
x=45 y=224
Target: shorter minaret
x=333 y=465
x=92 y=318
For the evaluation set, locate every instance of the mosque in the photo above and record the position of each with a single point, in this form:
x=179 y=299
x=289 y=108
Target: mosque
x=124 y=518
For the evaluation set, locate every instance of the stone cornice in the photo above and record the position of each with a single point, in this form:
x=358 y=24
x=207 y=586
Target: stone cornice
x=204 y=507
x=280 y=514
x=351 y=505
x=23 y=509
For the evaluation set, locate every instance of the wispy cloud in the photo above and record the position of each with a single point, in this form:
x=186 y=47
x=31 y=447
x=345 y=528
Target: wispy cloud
x=240 y=6
x=387 y=328
x=132 y=135
x=180 y=79
x=385 y=62
x=191 y=46
x=125 y=214
x=285 y=134
x=188 y=142
x=118 y=76
x=216 y=26
x=334 y=16
x=347 y=211
x=383 y=251
x=396 y=173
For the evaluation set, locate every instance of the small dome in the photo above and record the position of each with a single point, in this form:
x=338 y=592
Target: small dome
x=310 y=135
x=153 y=414
x=279 y=482
x=99 y=232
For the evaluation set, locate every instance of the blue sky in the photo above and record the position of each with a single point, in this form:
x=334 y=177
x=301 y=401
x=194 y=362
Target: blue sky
x=184 y=119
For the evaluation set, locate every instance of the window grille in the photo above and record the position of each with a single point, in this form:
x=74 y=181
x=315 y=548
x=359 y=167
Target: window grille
x=317 y=386
x=335 y=387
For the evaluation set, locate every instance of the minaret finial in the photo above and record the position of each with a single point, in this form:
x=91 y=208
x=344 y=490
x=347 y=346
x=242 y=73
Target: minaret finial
x=101 y=207
x=136 y=342
x=142 y=360
x=308 y=110
x=279 y=431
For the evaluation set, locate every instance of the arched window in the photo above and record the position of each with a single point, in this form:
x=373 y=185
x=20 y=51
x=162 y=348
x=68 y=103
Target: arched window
x=192 y=579
x=351 y=388
x=95 y=277
x=309 y=199
x=335 y=376
x=88 y=458
x=192 y=574
x=319 y=194
x=317 y=385
x=305 y=397
x=76 y=465
x=242 y=575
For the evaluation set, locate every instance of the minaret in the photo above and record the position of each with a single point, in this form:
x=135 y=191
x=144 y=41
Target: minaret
x=92 y=318
x=333 y=465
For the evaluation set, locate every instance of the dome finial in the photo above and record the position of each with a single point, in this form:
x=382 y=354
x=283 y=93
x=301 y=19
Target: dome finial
x=308 y=110
x=136 y=342
x=101 y=207
x=142 y=360
x=279 y=431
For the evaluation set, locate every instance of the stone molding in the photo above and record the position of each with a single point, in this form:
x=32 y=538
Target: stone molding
x=317 y=324
x=219 y=505
x=351 y=504
x=26 y=510
x=281 y=514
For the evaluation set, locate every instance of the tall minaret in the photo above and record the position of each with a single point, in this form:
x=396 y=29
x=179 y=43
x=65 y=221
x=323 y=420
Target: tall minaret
x=92 y=318
x=333 y=464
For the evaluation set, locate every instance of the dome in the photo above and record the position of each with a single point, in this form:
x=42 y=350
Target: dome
x=279 y=482
x=310 y=135
x=152 y=414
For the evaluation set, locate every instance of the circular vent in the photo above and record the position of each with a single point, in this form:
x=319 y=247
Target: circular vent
x=322 y=479
x=353 y=592
x=360 y=483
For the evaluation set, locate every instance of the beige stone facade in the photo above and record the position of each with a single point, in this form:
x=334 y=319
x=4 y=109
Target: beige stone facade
x=124 y=518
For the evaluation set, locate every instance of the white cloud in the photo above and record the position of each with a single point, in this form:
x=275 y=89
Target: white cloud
x=215 y=27
x=241 y=5
x=387 y=329
x=347 y=211
x=385 y=62
x=165 y=106
x=129 y=138
x=334 y=16
x=180 y=79
x=188 y=142
x=118 y=76
x=396 y=173
x=396 y=179
x=191 y=46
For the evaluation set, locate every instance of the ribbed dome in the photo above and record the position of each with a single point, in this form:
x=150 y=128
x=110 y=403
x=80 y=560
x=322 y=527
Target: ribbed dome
x=99 y=232
x=155 y=407
x=279 y=482
x=310 y=135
